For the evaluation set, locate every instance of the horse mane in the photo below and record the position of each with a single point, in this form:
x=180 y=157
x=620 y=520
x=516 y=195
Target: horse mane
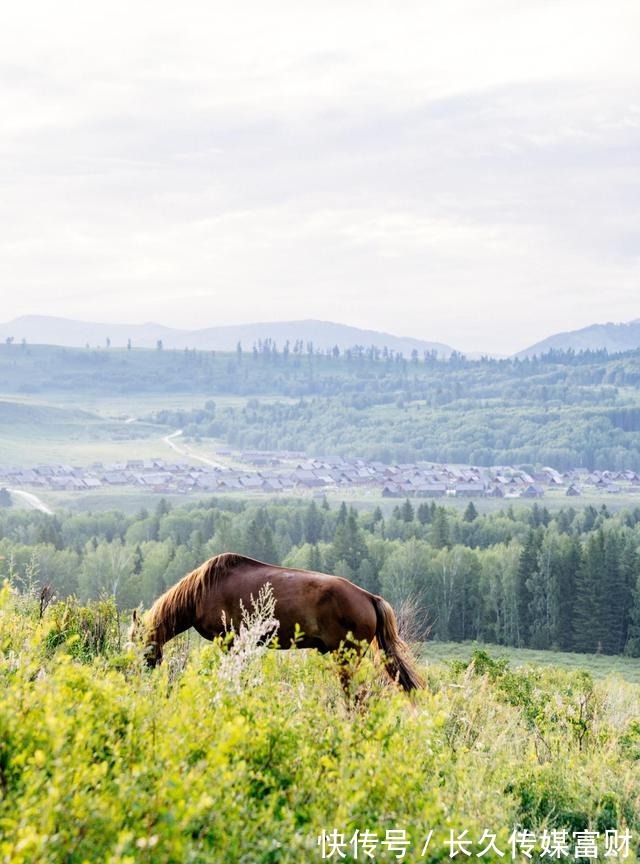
x=185 y=594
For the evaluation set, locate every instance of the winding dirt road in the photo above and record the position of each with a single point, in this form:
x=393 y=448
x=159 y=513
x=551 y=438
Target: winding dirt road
x=32 y=500
x=186 y=451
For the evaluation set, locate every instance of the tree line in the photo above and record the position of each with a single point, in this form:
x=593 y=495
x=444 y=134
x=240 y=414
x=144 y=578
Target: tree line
x=567 y=580
x=566 y=410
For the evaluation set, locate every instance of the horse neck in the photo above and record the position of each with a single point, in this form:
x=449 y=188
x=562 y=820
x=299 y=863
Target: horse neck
x=170 y=623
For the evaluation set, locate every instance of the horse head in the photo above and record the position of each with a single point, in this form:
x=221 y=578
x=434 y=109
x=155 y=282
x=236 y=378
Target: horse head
x=141 y=635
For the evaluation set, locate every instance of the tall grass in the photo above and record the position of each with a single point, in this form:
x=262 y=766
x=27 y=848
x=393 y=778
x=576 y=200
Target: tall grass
x=208 y=760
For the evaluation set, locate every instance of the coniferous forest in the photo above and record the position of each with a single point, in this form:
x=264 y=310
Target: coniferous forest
x=567 y=580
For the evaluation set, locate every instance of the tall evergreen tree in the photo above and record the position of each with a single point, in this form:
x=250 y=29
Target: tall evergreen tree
x=542 y=594
x=137 y=560
x=424 y=513
x=614 y=602
x=407 y=512
x=440 y=536
x=342 y=514
x=587 y=623
x=349 y=544
x=632 y=648
x=629 y=569
x=470 y=513
x=312 y=524
x=569 y=564
x=527 y=567
x=315 y=558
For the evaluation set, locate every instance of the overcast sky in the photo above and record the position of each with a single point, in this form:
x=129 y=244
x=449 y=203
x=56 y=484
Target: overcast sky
x=466 y=172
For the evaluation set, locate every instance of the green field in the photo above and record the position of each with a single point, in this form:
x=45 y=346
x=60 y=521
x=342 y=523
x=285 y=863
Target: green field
x=598 y=665
x=256 y=756
x=33 y=433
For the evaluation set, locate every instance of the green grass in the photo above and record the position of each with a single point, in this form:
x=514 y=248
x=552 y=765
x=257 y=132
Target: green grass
x=32 y=433
x=248 y=755
x=141 y=404
x=127 y=499
x=599 y=665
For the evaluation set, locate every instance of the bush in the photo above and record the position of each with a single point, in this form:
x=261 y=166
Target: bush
x=104 y=760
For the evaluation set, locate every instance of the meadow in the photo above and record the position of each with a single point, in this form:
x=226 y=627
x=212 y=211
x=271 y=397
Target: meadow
x=35 y=432
x=599 y=666
x=229 y=754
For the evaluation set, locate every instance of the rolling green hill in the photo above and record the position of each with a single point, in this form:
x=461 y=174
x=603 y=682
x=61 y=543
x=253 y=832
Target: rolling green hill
x=33 y=432
x=564 y=409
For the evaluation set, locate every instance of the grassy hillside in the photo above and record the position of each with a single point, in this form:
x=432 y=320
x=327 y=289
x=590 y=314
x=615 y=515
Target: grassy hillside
x=255 y=756
x=32 y=433
x=563 y=410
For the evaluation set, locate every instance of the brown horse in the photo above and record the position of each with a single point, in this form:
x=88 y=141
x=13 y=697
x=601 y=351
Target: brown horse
x=329 y=611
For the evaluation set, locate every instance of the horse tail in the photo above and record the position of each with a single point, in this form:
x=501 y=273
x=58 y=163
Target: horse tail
x=399 y=662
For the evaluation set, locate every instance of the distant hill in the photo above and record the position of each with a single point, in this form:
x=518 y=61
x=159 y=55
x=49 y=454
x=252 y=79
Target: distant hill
x=613 y=337
x=46 y=330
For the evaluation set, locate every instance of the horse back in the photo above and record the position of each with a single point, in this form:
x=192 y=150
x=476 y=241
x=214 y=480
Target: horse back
x=325 y=608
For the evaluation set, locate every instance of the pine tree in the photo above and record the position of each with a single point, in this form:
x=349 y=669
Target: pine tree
x=162 y=508
x=367 y=576
x=270 y=553
x=587 y=625
x=470 y=513
x=527 y=567
x=612 y=596
x=312 y=523
x=253 y=540
x=617 y=591
x=569 y=564
x=630 y=565
x=440 y=537
x=541 y=590
x=424 y=514
x=342 y=514
x=589 y=516
x=315 y=558
x=259 y=542
x=632 y=648
x=296 y=530
x=407 y=512
x=349 y=544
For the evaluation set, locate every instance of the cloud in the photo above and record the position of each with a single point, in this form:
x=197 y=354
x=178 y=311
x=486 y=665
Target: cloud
x=412 y=168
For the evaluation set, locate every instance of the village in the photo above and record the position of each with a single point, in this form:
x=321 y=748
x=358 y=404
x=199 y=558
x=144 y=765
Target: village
x=294 y=473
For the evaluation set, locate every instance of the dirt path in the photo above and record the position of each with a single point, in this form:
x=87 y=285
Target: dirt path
x=32 y=500
x=186 y=451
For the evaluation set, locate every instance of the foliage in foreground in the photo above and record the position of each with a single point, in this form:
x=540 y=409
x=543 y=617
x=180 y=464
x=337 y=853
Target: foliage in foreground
x=248 y=756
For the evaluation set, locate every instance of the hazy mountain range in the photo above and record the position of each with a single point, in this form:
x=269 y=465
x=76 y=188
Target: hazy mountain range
x=48 y=330
x=613 y=337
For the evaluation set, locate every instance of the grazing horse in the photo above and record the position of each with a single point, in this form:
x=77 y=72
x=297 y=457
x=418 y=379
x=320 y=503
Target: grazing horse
x=314 y=610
